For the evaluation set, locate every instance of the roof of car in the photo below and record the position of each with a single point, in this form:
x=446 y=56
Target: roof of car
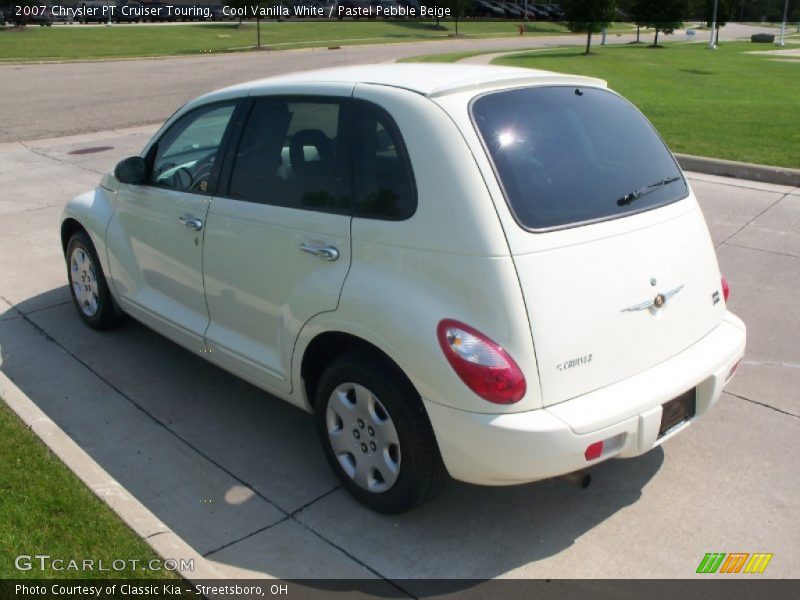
x=426 y=79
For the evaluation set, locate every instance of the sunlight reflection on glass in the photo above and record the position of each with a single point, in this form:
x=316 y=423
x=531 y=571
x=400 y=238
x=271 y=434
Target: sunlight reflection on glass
x=506 y=138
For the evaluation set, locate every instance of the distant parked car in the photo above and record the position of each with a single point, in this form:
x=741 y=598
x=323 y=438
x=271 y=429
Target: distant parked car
x=481 y=8
x=314 y=6
x=356 y=9
x=507 y=13
x=59 y=14
x=31 y=15
x=218 y=12
x=158 y=11
x=555 y=10
x=511 y=9
x=128 y=12
x=93 y=11
x=500 y=274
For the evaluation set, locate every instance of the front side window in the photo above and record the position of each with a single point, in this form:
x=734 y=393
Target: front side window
x=568 y=156
x=294 y=153
x=186 y=153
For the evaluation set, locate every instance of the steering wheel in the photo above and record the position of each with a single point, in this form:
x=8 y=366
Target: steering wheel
x=172 y=180
x=202 y=171
x=182 y=178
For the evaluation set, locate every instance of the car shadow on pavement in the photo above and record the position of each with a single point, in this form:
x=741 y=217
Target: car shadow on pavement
x=229 y=467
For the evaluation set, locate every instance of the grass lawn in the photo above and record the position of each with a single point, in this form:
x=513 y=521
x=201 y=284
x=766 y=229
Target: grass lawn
x=46 y=509
x=64 y=42
x=724 y=103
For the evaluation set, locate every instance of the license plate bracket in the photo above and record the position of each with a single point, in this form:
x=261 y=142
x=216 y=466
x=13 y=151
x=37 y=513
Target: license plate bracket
x=677 y=411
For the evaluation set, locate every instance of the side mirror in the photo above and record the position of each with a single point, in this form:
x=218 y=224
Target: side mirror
x=131 y=170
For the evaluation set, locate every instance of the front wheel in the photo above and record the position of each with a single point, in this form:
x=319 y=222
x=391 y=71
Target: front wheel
x=87 y=284
x=376 y=434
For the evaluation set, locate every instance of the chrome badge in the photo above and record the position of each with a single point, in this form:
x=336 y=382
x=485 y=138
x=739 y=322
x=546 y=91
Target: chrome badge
x=654 y=304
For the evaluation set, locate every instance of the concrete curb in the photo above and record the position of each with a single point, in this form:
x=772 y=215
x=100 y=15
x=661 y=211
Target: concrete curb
x=739 y=170
x=164 y=542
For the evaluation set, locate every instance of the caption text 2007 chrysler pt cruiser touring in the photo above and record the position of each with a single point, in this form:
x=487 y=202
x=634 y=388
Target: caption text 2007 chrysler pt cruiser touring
x=497 y=274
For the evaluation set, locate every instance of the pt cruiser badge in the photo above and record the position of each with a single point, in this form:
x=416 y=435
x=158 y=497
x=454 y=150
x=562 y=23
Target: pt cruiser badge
x=654 y=304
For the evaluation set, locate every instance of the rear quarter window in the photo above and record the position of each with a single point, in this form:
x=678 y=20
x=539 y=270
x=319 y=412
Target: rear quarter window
x=384 y=181
x=567 y=156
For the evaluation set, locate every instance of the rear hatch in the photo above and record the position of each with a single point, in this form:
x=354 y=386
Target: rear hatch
x=614 y=258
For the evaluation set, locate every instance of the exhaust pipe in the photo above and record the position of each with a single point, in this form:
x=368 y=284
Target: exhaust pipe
x=580 y=478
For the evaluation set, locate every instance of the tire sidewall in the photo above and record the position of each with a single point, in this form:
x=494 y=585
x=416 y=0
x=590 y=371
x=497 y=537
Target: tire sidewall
x=105 y=315
x=399 y=401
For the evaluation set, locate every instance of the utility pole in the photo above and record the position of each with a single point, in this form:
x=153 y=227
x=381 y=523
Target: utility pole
x=783 y=24
x=711 y=43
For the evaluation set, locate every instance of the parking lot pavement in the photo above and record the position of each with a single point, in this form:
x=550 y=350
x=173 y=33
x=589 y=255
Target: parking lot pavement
x=239 y=474
x=74 y=97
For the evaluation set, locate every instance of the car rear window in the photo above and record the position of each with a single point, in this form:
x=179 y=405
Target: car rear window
x=568 y=156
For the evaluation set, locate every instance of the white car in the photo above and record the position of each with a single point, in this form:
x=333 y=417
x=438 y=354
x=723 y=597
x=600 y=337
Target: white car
x=497 y=274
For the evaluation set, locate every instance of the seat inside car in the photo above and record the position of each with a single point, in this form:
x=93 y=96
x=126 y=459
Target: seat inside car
x=257 y=173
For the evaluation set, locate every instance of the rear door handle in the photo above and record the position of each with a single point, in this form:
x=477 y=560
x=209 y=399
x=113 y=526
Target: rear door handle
x=326 y=252
x=191 y=222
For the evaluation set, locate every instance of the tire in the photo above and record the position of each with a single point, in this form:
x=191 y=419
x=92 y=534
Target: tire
x=387 y=456
x=87 y=284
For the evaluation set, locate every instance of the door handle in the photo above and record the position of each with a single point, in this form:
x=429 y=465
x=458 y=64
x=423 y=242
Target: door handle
x=326 y=252
x=191 y=222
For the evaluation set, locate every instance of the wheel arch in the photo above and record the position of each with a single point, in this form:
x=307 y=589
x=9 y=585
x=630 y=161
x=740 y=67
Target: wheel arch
x=70 y=227
x=89 y=212
x=323 y=346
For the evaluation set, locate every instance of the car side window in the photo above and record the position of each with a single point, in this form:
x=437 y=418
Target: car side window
x=384 y=181
x=186 y=153
x=294 y=153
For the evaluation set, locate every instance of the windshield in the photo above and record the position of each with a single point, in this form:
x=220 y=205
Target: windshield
x=568 y=156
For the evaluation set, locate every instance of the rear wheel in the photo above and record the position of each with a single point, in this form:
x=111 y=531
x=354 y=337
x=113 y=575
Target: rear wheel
x=87 y=284
x=376 y=434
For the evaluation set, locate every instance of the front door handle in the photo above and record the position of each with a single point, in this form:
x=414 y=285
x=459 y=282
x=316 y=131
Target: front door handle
x=326 y=252
x=191 y=222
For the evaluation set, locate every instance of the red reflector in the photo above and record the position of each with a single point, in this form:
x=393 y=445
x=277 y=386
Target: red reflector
x=594 y=451
x=733 y=370
x=726 y=289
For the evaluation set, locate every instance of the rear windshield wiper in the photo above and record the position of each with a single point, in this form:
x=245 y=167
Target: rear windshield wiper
x=643 y=191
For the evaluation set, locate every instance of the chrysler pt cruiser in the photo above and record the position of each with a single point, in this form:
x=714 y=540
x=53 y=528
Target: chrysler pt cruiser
x=496 y=274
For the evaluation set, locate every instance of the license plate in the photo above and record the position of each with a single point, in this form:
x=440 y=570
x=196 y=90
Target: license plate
x=676 y=412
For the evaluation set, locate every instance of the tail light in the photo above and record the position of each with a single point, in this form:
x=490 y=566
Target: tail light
x=726 y=289
x=481 y=364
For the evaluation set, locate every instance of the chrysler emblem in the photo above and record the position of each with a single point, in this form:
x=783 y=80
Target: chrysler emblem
x=654 y=304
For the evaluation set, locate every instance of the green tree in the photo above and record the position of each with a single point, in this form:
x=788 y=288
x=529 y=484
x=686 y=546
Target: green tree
x=632 y=10
x=662 y=15
x=589 y=16
x=635 y=11
x=458 y=8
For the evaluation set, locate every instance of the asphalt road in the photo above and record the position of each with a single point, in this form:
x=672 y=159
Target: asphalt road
x=57 y=99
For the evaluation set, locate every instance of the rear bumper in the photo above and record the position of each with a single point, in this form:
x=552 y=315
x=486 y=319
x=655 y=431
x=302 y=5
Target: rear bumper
x=521 y=447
